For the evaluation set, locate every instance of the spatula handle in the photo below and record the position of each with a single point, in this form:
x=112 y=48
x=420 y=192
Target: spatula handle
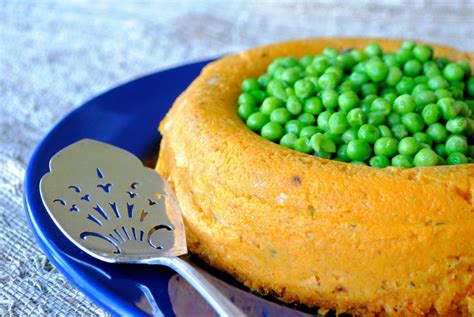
x=221 y=304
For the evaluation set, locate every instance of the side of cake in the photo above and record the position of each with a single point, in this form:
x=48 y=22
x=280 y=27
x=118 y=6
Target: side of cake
x=304 y=229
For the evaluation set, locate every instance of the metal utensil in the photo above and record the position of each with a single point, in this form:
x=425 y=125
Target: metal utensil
x=116 y=210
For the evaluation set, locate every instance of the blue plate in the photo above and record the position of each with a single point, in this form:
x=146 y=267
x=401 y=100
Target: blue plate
x=128 y=117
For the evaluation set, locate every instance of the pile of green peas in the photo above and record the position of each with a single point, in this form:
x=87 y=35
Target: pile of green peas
x=405 y=109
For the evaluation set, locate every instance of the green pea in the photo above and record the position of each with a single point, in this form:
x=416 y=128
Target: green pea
x=442 y=93
x=321 y=143
x=419 y=88
x=369 y=133
x=381 y=105
x=328 y=81
x=250 y=84
x=376 y=70
x=329 y=99
x=269 y=104
x=306 y=60
x=386 y=146
x=403 y=55
x=456 y=143
x=408 y=146
x=358 y=55
x=359 y=163
x=412 y=68
x=342 y=153
x=405 y=85
x=330 y=52
x=408 y=45
x=336 y=138
x=247 y=99
x=457 y=125
x=421 y=80
x=337 y=70
x=423 y=138
x=347 y=60
x=280 y=115
x=304 y=88
x=402 y=160
x=303 y=145
x=290 y=75
x=453 y=72
x=423 y=98
x=413 y=122
x=379 y=161
x=358 y=150
x=393 y=119
x=390 y=98
x=457 y=93
x=404 y=104
x=290 y=91
x=309 y=131
x=471 y=151
x=348 y=100
x=430 y=69
x=423 y=53
x=307 y=118
x=359 y=78
x=260 y=95
x=288 y=140
x=294 y=105
x=323 y=120
x=257 y=120
x=437 y=82
x=456 y=158
x=470 y=87
x=399 y=131
x=347 y=86
x=264 y=80
x=394 y=76
x=431 y=114
x=390 y=60
x=272 y=131
x=387 y=90
x=245 y=110
x=289 y=61
x=449 y=108
x=376 y=118
x=349 y=135
x=373 y=49
x=360 y=67
x=385 y=131
x=369 y=89
x=466 y=67
x=338 y=123
x=356 y=117
x=323 y=155
x=425 y=157
x=294 y=126
x=320 y=63
x=277 y=89
x=440 y=149
x=442 y=61
x=313 y=106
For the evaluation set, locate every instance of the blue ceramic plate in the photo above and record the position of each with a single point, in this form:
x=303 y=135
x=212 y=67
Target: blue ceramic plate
x=127 y=117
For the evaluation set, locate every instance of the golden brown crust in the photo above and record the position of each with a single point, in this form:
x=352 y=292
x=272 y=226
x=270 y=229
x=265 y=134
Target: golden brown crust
x=309 y=230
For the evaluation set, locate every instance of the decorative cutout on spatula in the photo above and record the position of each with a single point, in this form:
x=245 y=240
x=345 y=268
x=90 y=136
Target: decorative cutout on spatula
x=105 y=200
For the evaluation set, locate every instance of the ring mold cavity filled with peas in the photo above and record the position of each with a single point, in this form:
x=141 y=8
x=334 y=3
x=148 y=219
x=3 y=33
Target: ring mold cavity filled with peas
x=258 y=148
x=404 y=108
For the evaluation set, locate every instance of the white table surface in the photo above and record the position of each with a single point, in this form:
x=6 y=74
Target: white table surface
x=56 y=55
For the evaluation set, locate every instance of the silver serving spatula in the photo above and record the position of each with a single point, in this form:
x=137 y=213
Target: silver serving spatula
x=116 y=210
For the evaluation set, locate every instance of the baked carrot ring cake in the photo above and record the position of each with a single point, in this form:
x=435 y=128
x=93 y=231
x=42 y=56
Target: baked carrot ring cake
x=259 y=149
